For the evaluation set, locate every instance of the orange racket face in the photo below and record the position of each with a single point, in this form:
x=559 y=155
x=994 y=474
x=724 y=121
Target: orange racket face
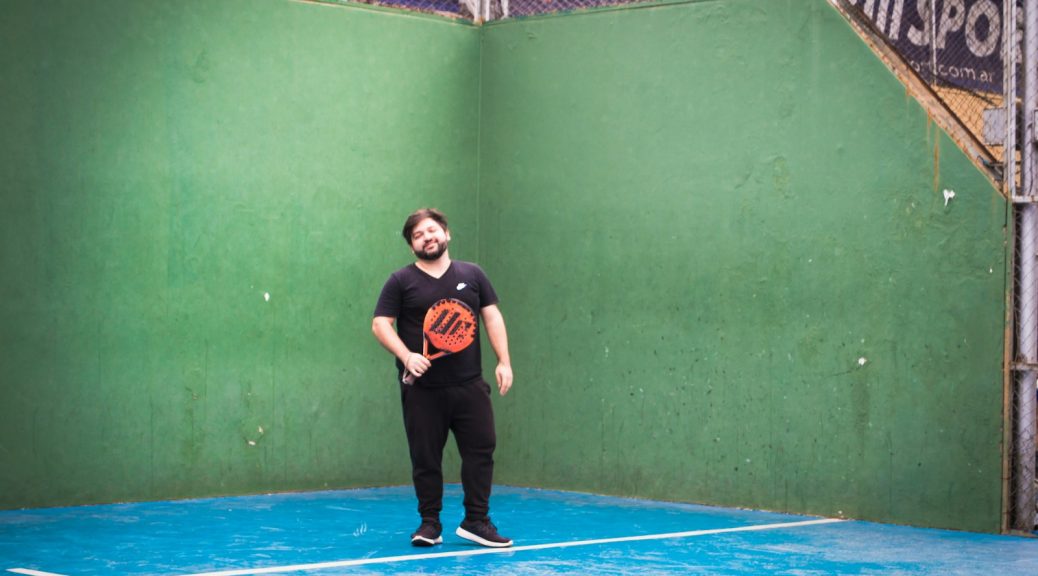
x=450 y=325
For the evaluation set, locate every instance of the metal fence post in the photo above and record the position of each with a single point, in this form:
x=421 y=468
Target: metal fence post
x=1023 y=517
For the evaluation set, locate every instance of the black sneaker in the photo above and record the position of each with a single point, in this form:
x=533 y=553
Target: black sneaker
x=428 y=534
x=482 y=532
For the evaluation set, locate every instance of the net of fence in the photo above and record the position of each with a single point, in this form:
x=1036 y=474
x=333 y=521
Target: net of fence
x=487 y=10
x=956 y=47
x=518 y=8
x=1022 y=83
x=445 y=8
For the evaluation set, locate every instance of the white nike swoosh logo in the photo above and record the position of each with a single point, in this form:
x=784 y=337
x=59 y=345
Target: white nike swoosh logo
x=462 y=285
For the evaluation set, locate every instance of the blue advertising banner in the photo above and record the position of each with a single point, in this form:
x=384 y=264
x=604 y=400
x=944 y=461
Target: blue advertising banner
x=956 y=43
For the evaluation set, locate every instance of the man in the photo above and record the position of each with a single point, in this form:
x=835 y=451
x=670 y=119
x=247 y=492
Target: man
x=447 y=393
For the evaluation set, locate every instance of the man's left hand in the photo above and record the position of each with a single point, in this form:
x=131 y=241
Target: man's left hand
x=504 y=378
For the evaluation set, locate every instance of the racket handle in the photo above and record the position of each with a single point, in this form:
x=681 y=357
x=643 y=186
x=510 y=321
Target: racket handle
x=409 y=378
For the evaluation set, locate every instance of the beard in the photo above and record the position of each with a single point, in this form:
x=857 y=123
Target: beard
x=423 y=254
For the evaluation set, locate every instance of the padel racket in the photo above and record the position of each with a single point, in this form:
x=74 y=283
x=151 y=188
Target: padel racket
x=449 y=327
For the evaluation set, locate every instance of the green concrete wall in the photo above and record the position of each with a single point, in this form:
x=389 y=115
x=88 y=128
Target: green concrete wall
x=164 y=165
x=701 y=218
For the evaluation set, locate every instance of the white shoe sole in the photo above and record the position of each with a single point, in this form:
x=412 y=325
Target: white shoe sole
x=481 y=541
x=423 y=541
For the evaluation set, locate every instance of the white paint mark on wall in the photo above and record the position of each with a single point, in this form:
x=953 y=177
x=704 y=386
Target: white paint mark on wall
x=948 y=195
x=266 y=296
x=862 y=361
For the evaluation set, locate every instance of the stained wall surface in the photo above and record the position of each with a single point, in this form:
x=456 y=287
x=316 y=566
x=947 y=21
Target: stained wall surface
x=718 y=230
x=730 y=272
x=200 y=203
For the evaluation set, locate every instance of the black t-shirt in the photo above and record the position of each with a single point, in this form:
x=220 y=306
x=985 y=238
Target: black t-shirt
x=410 y=292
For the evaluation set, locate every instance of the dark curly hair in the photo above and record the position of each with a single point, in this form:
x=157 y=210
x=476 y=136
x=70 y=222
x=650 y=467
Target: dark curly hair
x=419 y=215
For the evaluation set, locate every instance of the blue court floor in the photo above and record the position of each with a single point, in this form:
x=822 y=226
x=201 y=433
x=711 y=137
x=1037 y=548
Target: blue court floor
x=364 y=532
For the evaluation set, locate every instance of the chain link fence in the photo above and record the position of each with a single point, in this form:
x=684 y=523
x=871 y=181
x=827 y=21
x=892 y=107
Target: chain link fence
x=1022 y=84
x=444 y=8
x=518 y=8
x=956 y=47
x=487 y=10
x=1022 y=485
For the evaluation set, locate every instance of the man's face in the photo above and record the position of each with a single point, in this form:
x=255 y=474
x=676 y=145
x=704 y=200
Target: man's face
x=429 y=240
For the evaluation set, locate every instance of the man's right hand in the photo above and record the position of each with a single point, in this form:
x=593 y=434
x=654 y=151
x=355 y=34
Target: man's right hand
x=416 y=364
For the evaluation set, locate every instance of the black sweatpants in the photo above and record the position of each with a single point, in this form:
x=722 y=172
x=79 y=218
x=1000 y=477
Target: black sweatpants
x=465 y=410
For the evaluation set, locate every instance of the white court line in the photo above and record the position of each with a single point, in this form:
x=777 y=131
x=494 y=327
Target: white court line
x=480 y=551
x=31 y=572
